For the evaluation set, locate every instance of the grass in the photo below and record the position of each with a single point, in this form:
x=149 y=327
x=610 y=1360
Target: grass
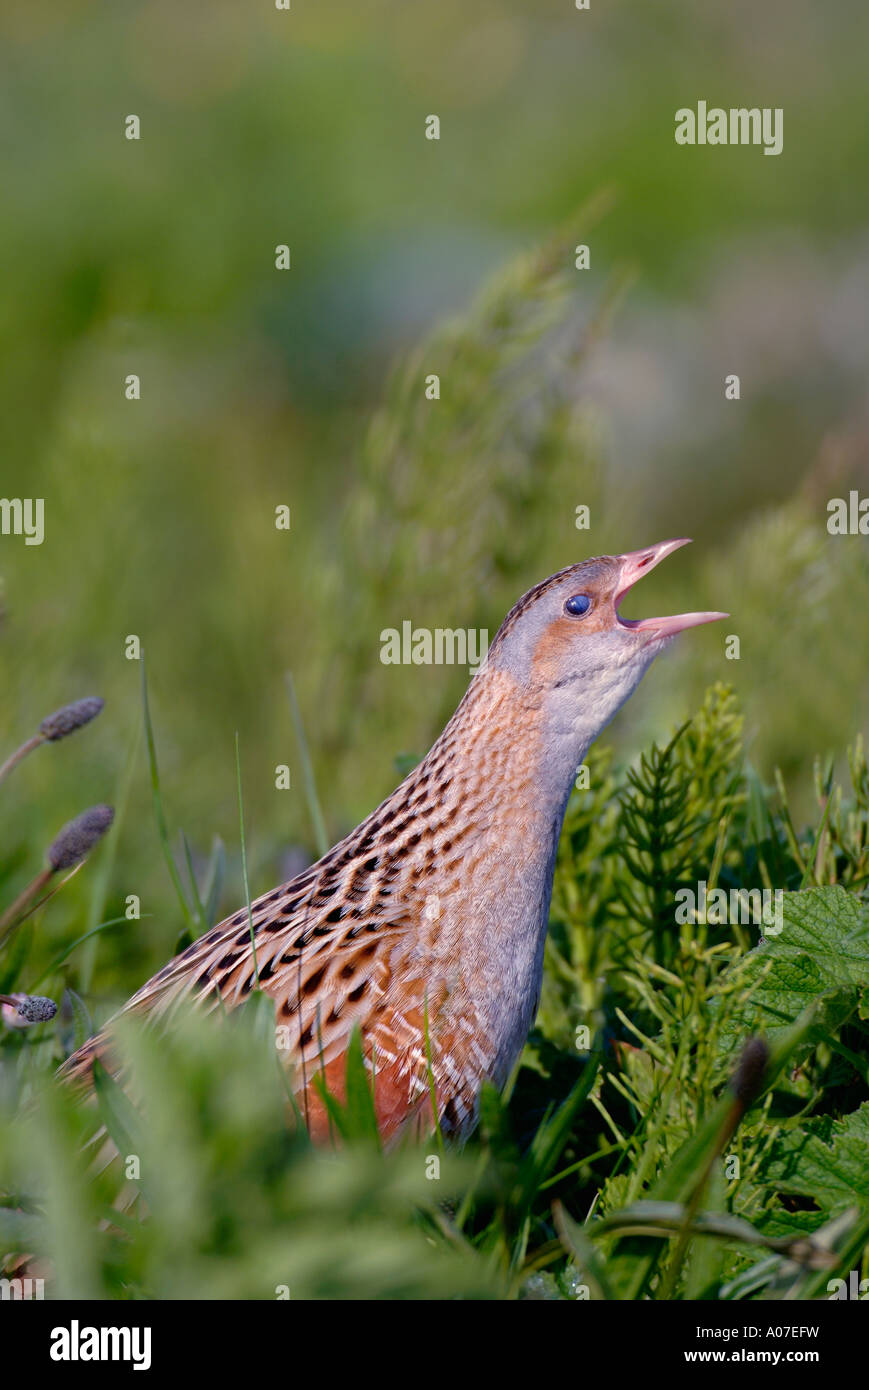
x=582 y=1175
x=660 y=1161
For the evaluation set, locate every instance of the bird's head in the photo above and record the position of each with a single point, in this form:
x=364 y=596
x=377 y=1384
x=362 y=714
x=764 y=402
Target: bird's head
x=567 y=644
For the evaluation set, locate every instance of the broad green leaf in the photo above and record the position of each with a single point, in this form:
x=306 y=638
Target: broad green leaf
x=820 y=956
x=825 y=1159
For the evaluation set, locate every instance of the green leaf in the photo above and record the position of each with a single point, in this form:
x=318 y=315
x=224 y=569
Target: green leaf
x=116 y=1111
x=82 y=1024
x=355 y=1118
x=588 y=1259
x=214 y=877
x=825 y=1159
x=552 y=1135
x=705 y=1260
x=160 y=814
x=360 y=1113
x=321 y=838
x=198 y=909
x=821 y=955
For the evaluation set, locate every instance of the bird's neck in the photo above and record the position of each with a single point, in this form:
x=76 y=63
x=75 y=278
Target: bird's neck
x=510 y=763
x=491 y=796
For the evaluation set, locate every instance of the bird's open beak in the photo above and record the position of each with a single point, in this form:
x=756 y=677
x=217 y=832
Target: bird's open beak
x=635 y=564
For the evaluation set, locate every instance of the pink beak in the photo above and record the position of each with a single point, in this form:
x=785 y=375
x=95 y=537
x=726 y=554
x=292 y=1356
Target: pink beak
x=635 y=564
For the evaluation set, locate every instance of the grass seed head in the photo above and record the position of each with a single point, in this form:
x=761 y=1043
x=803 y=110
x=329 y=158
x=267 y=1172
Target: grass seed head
x=71 y=717
x=748 y=1078
x=34 y=1008
x=20 y=1010
x=78 y=837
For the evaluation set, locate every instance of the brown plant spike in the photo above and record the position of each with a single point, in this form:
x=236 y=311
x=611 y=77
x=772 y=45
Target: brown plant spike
x=436 y=905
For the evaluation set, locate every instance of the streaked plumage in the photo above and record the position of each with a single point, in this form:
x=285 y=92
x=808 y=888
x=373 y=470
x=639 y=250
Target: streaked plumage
x=435 y=907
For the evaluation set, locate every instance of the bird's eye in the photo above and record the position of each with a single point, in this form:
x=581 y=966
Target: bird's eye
x=577 y=605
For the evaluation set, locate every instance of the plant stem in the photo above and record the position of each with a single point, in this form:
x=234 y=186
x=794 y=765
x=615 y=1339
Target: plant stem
x=10 y=916
x=15 y=758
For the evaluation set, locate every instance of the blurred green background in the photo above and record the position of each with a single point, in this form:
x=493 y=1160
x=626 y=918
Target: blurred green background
x=306 y=387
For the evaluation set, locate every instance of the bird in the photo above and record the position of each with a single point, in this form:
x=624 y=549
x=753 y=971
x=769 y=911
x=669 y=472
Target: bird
x=422 y=931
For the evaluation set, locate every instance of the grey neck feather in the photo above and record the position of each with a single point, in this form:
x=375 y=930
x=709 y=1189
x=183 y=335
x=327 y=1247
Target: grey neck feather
x=575 y=713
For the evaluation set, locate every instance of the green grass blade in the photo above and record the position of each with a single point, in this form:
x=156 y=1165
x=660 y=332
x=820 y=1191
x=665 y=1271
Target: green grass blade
x=244 y=858
x=321 y=839
x=162 y=827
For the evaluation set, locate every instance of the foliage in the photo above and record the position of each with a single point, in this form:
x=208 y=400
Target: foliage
x=655 y=1157
x=257 y=387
